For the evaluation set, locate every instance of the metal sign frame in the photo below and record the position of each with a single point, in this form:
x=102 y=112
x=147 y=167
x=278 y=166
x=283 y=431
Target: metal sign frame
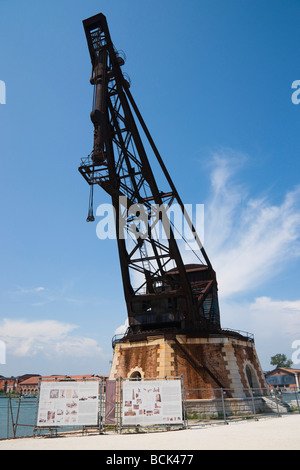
x=54 y=428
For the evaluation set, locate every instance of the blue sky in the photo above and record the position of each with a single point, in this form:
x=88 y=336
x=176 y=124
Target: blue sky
x=213 y=80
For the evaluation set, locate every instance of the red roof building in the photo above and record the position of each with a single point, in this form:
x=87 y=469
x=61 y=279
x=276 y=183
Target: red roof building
x=30 y=386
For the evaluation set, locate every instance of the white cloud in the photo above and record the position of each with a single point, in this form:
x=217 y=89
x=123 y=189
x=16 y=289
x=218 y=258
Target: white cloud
x=32 y=290
x=248 y=240
x=121 y=330
x=78 y=347
x=274 y=323
x=271 y=319
x=277 y=317
x=47 y=337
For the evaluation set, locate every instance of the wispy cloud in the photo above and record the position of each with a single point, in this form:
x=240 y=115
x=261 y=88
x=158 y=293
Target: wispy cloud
x=41 y=296
x=36 y=296
x=121 y=330
x=248 y=239
x=32 y=290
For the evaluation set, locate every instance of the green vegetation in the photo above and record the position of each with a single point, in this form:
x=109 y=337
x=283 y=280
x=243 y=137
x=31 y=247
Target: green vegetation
x=280 y=360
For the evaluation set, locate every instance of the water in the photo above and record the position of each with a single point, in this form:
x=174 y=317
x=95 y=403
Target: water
x=26 y=416
x=291 y=398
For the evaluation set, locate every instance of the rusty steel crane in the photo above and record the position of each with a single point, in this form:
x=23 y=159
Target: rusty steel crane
x=161 y=292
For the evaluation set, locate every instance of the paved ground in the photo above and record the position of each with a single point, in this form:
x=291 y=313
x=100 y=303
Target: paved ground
x=277 y=433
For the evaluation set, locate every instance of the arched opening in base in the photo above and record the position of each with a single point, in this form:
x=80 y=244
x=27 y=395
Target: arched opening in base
x=136 y=375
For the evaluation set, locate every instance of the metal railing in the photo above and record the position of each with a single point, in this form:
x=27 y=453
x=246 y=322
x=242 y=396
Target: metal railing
x=245 y=335
x=248 y=404
x=18 y=416
x=237 y=334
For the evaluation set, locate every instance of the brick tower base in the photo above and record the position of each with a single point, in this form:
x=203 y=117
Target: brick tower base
x=206 y=363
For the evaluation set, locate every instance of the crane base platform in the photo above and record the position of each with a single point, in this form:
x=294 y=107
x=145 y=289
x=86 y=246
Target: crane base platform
x=207 y=364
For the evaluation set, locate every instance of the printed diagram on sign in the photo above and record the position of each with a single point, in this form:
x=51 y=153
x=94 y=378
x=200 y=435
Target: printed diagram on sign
x=154 y=402
x=67 y=404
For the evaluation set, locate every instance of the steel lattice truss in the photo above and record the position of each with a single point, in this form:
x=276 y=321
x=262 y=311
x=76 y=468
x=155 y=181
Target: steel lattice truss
x=160 y=291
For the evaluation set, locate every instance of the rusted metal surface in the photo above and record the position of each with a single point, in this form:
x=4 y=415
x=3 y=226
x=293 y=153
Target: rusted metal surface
x=167 y=294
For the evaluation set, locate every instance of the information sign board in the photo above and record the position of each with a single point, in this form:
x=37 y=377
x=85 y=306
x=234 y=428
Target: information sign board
x=152 y=402
x=68 y=404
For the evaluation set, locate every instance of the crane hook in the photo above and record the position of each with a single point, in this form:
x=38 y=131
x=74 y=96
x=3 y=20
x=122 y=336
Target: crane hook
x=90 y=217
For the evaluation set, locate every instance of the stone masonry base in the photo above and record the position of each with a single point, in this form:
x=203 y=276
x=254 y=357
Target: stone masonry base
x=206 y=363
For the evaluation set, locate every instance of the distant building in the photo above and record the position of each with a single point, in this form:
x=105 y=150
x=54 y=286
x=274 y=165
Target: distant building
x=282 y=377
x=8 y=384
x=30 y=386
